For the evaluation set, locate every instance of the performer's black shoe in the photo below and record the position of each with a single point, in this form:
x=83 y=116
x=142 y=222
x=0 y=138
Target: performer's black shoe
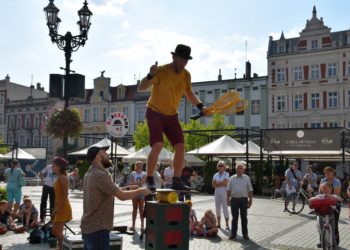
x=177 y=185
x=150 y=183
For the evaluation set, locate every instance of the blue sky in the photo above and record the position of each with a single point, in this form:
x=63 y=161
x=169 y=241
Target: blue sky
x=127 y=36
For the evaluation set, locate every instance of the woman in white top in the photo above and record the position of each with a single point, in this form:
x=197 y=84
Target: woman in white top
x=138 y=177
x=168 y=176
x=220 y=180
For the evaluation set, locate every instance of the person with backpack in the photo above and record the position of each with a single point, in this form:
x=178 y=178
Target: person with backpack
x=14 y=178
x=293 y=178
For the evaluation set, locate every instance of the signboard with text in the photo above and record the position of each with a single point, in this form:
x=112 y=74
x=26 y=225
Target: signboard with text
x=117 y=124
x=301 y=139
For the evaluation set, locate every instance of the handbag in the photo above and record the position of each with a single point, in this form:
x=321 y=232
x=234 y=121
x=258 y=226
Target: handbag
x=21 y=182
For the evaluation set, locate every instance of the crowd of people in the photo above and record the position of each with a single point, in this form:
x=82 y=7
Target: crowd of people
x=329 y=187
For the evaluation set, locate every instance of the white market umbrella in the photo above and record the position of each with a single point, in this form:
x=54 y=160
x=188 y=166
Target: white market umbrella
x=132 y=149
x=104 y=142
x=224 y=146
x=141 y=155
x=192 y=160
x=18 y=154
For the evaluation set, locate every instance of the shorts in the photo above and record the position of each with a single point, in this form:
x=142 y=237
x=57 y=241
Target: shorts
x=159 y=124
x=14 y=193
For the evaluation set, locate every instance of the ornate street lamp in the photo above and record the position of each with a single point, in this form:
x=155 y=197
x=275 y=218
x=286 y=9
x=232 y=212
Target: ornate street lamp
x=68 y=43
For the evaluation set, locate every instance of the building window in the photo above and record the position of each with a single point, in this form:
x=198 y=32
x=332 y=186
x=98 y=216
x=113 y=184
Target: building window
x=280 y=75
x=332 y=69
x=87 y=141
x=216 y=94
x=281 y=103
x=101 y=95
x=140 y=115
x=2 y=98
x=314 y=44
x=86 y=115
x=1 y=119
x=298 y=73
x=96 y=114
x=315 y=125
x=315 y=101
x=333 y=124
x=282 y=49
x=104 y=114
x=332 y=99
x=255 y=107
x=202 y=96
x=113 y=110
x=27 y=122
x=18 y=125
x=315 y=71
x=22 y=140
x=298 y=102
x=126 y=111
x=36 y=122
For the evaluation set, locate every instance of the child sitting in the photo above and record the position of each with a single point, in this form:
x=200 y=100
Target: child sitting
x=326 y=193
x=30 y=214
x=5 y=218
x=207 y=225
x=19 y=214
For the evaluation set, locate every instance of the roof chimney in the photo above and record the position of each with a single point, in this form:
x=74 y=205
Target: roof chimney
x=7 y=78
x=248 y=70
x=219 y=76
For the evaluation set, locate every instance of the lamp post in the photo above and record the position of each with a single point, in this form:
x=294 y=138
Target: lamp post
x=68 y=43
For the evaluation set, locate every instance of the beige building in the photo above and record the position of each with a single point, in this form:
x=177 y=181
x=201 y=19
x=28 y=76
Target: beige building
x=101 y=101
x=309 y=78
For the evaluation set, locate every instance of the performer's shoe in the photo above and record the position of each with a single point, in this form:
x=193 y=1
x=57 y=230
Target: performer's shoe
x=177 y=185
x=150 y=183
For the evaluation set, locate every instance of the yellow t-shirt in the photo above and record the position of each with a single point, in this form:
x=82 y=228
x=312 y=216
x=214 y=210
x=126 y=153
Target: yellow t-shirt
x=168 y=87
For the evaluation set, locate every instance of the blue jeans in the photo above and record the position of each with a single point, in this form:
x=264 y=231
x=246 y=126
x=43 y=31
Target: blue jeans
x=96 y=241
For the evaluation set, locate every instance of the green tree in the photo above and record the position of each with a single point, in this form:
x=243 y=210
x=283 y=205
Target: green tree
x=193 y=141
x=141 y=136
x=3 y=149
x=218 y=123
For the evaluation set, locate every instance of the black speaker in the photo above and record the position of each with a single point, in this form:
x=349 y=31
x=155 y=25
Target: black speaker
x=77 y=86
x=56 y=86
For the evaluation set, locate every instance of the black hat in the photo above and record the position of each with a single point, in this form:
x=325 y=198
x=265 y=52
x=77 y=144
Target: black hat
x=93 y=151
x=183 y=51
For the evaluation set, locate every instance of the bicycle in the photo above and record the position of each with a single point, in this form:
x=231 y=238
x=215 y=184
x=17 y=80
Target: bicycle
x=295 y=201
x=324 y=210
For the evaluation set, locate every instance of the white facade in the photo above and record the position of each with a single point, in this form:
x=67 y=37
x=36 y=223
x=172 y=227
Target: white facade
x=309 y=78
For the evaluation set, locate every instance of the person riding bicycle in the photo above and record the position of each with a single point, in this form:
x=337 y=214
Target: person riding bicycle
x=293 y=178
x=310 y=179
x=322 y=210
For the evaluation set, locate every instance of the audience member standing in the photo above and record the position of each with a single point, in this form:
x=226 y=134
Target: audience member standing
x=13 y=187
x=138 y=177
x=158 y=181
x=293 y=178
x=220 y=180
x=63 y=211
x=48 y=178
x=168 y=175
x=240 y=198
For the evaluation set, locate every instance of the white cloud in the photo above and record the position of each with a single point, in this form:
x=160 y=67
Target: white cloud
x=226 y=53
x=106 y=7
x=125 y=25
x=293 y=32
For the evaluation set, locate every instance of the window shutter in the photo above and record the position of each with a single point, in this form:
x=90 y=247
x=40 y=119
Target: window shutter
x=305 y=101
x=306 y=72
x=273 y=76
x=324 y=99
x=323 y=70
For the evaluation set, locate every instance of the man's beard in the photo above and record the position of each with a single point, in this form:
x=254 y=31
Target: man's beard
x=106 y=163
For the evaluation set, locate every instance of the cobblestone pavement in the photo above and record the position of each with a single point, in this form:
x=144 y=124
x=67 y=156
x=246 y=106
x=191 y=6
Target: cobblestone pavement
x=269 y=227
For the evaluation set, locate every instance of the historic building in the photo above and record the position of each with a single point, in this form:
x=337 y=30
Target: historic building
x=23 y=113
x=309 y=78
x=99 y=102
x=253 y=88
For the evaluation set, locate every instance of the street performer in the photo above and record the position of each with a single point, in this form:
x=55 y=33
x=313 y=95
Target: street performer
x=169 y=83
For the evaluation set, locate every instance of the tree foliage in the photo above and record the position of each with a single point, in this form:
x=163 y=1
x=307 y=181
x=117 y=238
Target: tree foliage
x=64 y=122
x=192 y=140
x=3 y=149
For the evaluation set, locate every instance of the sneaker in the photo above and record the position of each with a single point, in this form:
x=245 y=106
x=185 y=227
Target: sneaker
x=178 y=185
x=150 y=183
x=319 y=245
x=246 y=237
